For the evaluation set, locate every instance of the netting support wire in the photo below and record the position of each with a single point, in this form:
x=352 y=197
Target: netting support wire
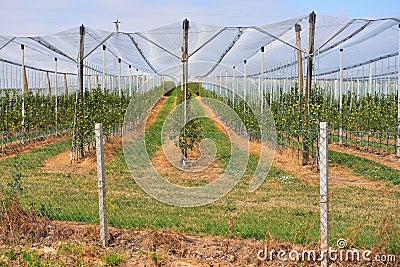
x=236 y=38
x=324 y=199
x=341 y=96
x=101 y=184
x=398 y=100
x=23 y=93
x=104 y=69
x=141 y=52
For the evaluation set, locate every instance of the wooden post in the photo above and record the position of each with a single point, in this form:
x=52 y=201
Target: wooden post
x=66 y=85
x=48 y=83
x=324 y=196
x=101 y=184
x=137 y=80
x=312 y=20
x=104 y=69
x=184 y=83
x=305 y=140
x=297 y=28
x=81 y=55
x=262 y=79
x=81 y=91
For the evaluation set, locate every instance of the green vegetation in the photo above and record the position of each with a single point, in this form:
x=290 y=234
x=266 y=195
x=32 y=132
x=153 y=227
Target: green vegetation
x=365 y=167
x=112 y=259
x=40 y=115
x=284 y=208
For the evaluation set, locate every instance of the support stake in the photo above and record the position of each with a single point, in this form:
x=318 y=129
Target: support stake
x=101 y=184
x=324 y=199
x=297 y=28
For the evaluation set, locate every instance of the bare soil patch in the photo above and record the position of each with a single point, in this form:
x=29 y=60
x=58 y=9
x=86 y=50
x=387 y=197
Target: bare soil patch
x=175 y=172
x=154 y=112
x=61 y=163
x=30 y=145
x=338 y=175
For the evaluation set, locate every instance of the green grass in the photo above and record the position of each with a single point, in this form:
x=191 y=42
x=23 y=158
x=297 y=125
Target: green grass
x=283 y=209
x=153 y=142
x=366 y=168
x=112 y=259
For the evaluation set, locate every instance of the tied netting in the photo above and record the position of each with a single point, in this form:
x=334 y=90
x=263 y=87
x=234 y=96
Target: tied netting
x=158 y=51
x=209 y=130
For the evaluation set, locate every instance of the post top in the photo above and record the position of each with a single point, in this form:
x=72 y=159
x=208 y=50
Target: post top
x=297 y=27
x=312 y=17
x=185 y=25
x=82 y=30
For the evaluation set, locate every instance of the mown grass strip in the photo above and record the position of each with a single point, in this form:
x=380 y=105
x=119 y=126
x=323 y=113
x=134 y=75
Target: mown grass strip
x=369 y=169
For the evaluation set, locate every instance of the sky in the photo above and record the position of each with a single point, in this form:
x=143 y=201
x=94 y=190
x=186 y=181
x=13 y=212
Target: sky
x=40 y=17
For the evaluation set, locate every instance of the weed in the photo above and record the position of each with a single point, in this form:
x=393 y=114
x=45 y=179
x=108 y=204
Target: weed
x=112 y=259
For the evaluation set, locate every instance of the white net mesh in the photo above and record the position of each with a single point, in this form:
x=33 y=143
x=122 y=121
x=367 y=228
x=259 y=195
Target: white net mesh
x=159 y=50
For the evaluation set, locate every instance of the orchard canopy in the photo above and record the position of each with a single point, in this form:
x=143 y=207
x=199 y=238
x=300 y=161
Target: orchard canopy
x=370 y=51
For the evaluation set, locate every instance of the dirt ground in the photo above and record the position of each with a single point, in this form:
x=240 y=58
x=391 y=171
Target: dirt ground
x=151 y=248
x=61 y=163
x=31 y=145
x=154 y=112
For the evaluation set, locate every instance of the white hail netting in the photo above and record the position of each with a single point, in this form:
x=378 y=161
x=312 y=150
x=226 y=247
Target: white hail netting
x=159 y=50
